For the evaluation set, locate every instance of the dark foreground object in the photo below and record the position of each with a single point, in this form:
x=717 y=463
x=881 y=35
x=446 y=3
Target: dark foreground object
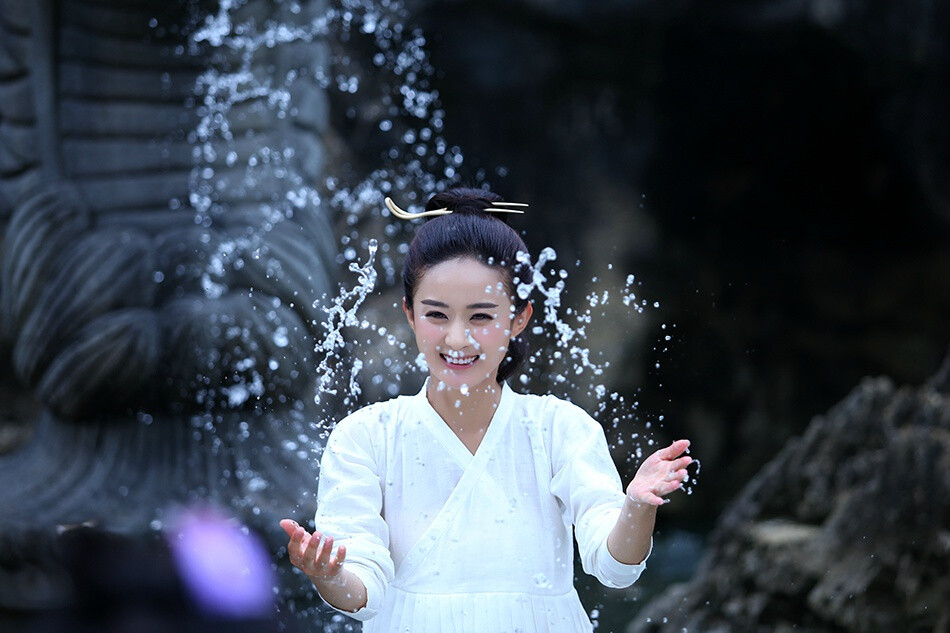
x=847 y=529
x=150 y=584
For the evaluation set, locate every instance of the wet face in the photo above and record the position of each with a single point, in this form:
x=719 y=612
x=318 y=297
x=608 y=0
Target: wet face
x=463 y=319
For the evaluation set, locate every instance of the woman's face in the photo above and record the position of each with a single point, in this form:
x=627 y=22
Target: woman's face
x=463 y=319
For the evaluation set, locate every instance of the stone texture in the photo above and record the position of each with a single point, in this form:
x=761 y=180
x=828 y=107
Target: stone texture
x=148 y=359
x=847 y=529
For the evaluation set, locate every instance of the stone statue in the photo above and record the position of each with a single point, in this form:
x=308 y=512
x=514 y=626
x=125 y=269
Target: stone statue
x=163 y=262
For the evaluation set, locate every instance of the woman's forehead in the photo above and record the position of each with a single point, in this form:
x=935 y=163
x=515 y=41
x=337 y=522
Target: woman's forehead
x=463 y=278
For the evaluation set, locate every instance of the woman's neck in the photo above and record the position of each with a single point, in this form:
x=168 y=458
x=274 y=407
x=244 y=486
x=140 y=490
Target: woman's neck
x=465 y=412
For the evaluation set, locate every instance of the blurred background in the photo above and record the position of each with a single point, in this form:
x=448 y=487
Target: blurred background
x=773 y=174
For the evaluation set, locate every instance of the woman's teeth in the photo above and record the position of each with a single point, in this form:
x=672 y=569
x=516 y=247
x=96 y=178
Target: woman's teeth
x=460 y=361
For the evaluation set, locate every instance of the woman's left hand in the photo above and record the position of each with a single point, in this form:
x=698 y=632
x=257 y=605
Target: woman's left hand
x=660 y=474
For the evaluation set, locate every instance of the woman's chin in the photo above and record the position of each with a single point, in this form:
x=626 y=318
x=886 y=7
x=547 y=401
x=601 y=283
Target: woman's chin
x=456 y=378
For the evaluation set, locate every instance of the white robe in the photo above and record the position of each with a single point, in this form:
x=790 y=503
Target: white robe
x=446 y=541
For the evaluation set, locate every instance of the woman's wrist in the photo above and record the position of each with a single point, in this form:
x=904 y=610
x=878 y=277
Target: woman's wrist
x=629 y=541
x=633 y=506
x=336 y=580
x=635 y=501
x=344 y=591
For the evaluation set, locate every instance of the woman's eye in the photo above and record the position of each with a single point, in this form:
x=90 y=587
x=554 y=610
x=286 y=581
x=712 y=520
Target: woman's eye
x=434 y=315
x=482 y=317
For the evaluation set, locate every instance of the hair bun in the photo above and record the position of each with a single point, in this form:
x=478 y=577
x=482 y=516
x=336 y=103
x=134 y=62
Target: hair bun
x=463 y=200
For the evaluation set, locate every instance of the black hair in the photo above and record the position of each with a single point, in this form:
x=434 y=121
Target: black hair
x=470 y=231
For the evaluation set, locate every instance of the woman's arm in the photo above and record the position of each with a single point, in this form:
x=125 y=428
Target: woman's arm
x=349 y=506
x=314 y=556
x=660 y=474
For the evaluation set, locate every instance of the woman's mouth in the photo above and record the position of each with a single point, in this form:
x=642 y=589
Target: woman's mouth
x=458 y=360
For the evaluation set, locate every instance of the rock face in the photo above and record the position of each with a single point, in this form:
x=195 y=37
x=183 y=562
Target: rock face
x=847 y=529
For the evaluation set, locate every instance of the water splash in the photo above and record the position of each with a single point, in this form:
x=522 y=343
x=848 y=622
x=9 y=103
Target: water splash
x=231 y=83
x=379 y=72
x=392 y=78
x=385 y=88
x=403 y=107
x=342 y=313
x=232 y=161
x=563 y=361
x=404 y=121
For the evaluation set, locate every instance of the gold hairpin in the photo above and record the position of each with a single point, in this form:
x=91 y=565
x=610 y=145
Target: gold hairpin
x=404 y=215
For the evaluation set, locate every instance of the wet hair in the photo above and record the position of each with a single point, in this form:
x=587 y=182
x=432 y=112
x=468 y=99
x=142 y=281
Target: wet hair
x=470 y=231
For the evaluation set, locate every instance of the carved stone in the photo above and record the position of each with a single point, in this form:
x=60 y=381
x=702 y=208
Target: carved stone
x=154 y=352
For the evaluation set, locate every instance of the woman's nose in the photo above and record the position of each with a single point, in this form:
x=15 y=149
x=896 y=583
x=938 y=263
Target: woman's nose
x=458 y=335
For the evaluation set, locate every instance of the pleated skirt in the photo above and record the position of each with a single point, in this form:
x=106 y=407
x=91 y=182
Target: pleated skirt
x=486 y=612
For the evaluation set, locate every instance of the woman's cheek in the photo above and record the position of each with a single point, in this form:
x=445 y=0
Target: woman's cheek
x=497 y=328
x=430 y=333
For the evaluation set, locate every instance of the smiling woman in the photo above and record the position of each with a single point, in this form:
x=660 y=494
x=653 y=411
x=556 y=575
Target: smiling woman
x=464 y=343
x=471 y=233
x=454 y=509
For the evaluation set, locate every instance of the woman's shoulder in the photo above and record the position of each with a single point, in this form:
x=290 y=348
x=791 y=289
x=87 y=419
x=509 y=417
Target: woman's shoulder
x=562 y=426
x=547 y=402
x=375 y=416
x=555 y=412
x=370 y=414
x=362 y=430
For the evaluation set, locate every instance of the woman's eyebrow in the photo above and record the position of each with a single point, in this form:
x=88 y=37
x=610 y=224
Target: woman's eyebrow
x=472 y=306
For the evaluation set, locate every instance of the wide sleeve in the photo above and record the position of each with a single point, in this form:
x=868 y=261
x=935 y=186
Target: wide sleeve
x=588 y=485
x=349 y=505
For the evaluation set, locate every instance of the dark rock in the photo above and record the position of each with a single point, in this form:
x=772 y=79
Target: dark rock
x=847 y=529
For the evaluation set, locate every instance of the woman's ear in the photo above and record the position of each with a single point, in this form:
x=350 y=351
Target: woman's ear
x=521 y=320
x=408 y=310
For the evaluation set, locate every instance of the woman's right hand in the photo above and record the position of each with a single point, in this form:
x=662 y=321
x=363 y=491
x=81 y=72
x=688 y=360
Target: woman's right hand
x=313 y=553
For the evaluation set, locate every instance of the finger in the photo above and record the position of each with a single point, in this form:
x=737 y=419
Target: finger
x=289 y=526
x=297 y=546
x=681 y=463
x=312 y=551
x=666 y=487
x=676 y=474
x=307 y=548
x=335 y=565
x=651 y=499
x=326 y=551
x=674 y=450
x=297 y=542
